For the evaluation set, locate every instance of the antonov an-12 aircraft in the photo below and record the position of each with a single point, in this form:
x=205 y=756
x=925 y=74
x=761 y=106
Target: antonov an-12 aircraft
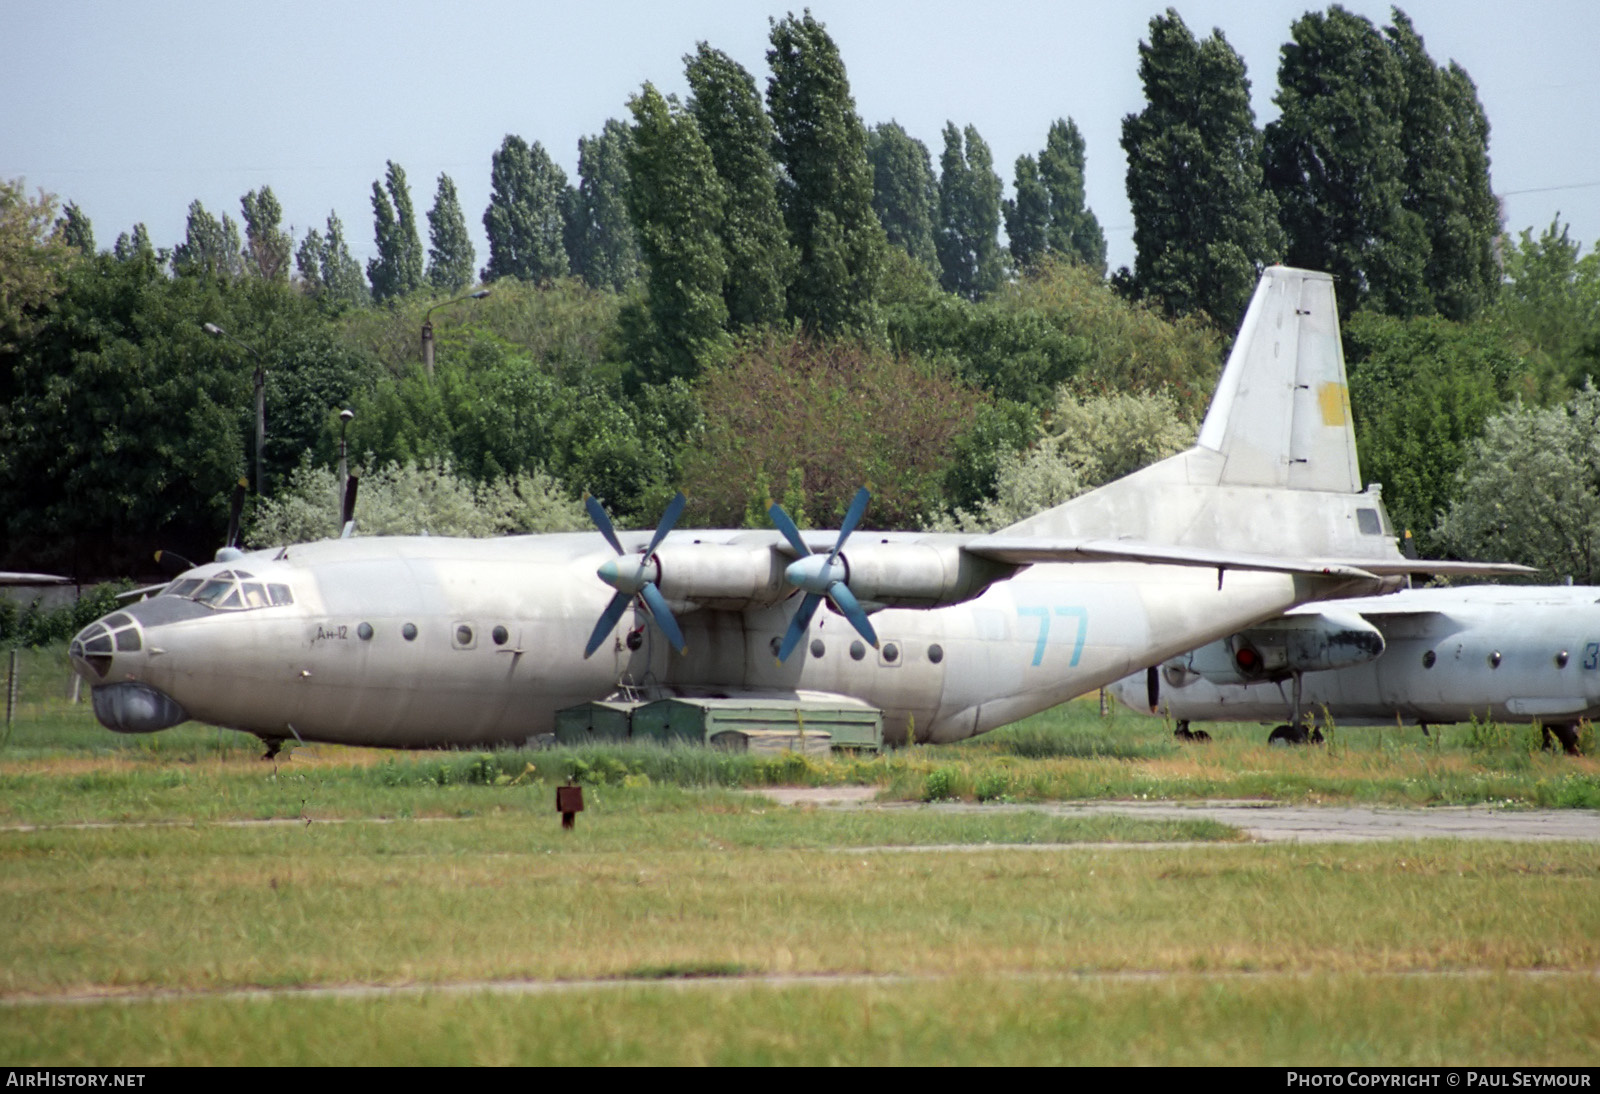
x=415 y=642
x=1510 y=653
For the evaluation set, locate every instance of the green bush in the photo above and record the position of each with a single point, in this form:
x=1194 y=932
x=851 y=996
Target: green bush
x=940 y=785
x=34 y=627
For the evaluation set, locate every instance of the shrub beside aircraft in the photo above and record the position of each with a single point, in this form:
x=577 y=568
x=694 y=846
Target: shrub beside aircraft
x=1423 y=656
x=414 y=642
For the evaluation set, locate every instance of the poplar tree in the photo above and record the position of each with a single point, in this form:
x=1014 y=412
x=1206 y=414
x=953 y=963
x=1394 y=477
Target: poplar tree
x=266 y=245
x=524 y=220
x=1336 y=161
x=826 y=187
x=136 y=244
x=75 y=230
x=676 y=202
x=600 y=239
x=1028 y=215
x=1203 y=225
x=1074 y=230
x=727 y=109
x=397 y=269
x=450 y=254
x=969 y=215
x=209 y=246
x=905 y=191
x=1446 y=175
x=328 y=270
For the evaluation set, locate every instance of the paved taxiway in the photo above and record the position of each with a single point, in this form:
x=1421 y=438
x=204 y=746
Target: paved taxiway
x=1269 y=822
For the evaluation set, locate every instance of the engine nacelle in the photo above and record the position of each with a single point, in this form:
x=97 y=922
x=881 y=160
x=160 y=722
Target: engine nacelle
x=721 y=576
x=917 y=575
x=728 y=577
x=1279 y=648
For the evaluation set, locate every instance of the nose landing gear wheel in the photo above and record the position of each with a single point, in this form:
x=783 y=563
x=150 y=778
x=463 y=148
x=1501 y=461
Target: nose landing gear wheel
x=1294 y=735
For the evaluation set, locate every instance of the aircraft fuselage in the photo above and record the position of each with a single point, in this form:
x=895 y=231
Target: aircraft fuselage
x=416 y=642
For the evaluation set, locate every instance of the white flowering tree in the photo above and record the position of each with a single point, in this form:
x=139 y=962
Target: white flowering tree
x=1530 y=490
x=412 y=498
x=1086 y=443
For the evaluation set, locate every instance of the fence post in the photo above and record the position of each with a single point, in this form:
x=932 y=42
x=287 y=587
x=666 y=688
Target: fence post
x=11 y=691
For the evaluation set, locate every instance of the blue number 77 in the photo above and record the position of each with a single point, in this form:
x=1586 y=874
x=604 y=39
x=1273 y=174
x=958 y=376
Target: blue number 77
x=1082 y=616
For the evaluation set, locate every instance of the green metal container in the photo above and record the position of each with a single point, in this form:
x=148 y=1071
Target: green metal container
x=594 y=723
x=760 y=724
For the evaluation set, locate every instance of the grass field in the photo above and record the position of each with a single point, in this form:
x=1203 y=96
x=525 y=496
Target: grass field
x=174 y=900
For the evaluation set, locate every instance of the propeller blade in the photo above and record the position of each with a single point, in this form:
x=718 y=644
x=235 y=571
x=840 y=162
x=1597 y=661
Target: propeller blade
x=858 y=506
x=608 y=622
x=798 y=625
x=663 y=616
x=348 y=513
x=239 y=490
x=634 y=583
x=597 y=513
x=668 y=519
x=172 y=562
x=850 y=608
x=790 y=532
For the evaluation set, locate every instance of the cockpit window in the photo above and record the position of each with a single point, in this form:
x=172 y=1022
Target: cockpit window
x=213 y=591
x=231 y=590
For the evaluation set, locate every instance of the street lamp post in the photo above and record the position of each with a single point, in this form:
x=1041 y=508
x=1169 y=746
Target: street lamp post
x=427 y=326
x=261 y=397
x=344 y=464
x=344 y=467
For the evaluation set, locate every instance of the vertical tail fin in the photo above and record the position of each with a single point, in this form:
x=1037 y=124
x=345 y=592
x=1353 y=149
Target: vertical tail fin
x=1281 y=413
x=1274 y=470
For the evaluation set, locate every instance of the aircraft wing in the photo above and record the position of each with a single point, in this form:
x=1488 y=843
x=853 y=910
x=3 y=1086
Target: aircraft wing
x=9 y=577
x=1022 y=550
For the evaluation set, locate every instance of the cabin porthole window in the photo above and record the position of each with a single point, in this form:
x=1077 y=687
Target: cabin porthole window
x=1428 y=659
x=776 y=645
x=936 y=653
x=817 y=648
x=500 y=635
x=1494 y=659
x=858 y=650
x=408 y=632
x=891 y=653
x=364 y=632
x=464 y=636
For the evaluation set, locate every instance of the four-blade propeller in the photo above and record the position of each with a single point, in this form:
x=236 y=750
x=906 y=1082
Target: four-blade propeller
x=822 y=576
x=634 y=575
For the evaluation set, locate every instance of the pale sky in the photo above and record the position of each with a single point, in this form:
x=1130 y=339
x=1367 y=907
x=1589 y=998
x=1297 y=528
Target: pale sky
x=134 y=109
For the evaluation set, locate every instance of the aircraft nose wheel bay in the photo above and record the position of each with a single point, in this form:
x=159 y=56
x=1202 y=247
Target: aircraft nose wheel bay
x=433 y=641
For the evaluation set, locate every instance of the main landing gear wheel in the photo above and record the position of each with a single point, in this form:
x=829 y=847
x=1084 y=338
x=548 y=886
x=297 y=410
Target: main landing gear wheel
x=1183 y=733
x=1294 y=735
x=1567 y=735
x=274 y=746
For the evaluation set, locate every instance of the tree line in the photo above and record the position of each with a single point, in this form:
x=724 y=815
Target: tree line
x=750 y=293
